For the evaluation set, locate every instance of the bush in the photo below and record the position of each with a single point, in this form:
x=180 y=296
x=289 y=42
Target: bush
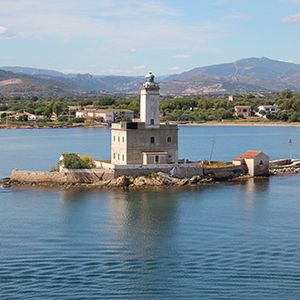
x=294 y=117
x=89 y=161
x=74 y=161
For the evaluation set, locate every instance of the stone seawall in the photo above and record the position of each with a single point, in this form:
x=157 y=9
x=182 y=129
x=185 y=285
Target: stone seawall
x=178 y=171
x=61 y=178
x=225 y=172
x=126 y=177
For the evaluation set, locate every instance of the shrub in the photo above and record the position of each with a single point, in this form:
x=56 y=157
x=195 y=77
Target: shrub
x=88 y=160
x=74 y=161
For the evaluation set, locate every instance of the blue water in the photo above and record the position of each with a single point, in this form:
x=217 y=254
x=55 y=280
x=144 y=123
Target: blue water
x=227 y=241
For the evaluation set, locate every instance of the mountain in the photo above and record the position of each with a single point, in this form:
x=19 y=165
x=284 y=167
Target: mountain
x=84 y=82
x=246 y=75
x=12 y=84
x=242 y=76
x=117 y=84
x=33 y=71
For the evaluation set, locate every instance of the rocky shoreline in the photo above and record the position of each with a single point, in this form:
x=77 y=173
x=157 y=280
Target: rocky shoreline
x=162 y=180
x=141 y=182
x=285 y=170
x=124 y=182
x=183 y=124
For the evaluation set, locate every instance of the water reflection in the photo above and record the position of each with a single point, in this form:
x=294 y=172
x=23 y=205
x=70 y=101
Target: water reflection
x=255 y=187
x=144 y=213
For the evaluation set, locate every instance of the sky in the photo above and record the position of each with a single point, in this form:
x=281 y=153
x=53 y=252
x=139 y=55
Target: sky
x=132 y=37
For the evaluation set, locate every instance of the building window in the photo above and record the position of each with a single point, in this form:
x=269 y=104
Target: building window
x=156 y=158
x=261 y=163
x=152 y=121
x=152 y=140
x=123 y=139
x=123 y=158
x=169 y=139
x=114 y=155
x=114 y=138
x=118 y=156
x=118 y=139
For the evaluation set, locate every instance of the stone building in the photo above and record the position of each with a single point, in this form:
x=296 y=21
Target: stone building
x=243 y=110
x=145 y=142
x=256 y=162
x=106 y=115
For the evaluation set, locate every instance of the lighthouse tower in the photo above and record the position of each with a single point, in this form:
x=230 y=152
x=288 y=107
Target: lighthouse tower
x=146 y=142
x=149 y=102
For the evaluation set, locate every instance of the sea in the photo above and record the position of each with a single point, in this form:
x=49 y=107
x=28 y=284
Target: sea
x=223 y=241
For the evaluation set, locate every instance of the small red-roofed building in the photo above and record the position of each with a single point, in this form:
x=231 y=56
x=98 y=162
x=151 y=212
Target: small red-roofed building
x=257 y=162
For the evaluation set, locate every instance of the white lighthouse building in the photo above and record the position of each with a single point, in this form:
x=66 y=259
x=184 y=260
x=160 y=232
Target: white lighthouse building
x=149 y=103
x=146 y=142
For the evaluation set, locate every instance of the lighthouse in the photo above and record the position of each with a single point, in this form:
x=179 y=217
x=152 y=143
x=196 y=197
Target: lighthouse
x=145 y=143
x=149 y=102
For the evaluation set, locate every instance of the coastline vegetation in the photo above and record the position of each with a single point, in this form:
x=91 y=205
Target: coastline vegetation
x=74 y=161
x=173 y=108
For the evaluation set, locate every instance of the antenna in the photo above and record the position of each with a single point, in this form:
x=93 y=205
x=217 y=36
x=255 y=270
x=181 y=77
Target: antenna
x=212 y=148
x=290 y=144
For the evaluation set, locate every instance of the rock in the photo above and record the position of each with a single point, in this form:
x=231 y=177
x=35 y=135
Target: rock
x=139 y=181
x=5 y=179
x=195 y=179
x=6 y=182
x=146 y=181
x=182 y=182
x=154 y=181
x=166 y=179
x=122 y=181
x=101 y=183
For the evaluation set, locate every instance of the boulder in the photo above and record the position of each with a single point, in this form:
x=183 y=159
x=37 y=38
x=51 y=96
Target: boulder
x=122 y=181
x=146 y=181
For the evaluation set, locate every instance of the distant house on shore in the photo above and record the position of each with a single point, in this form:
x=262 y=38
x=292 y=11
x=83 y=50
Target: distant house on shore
x=25 y=116
x=106 y=115
x=257 y=162
x=269 y=109
x=243 y=110
x=231 y=98
x=53 y=117
x=6 y=113
x=74 y=108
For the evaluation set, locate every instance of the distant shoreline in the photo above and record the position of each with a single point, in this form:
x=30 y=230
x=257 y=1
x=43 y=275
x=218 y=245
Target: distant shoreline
x=180 y=124
x=240 y=124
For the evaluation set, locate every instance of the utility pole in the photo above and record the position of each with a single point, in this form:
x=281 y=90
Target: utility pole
x=290 y=147
x=212 y=149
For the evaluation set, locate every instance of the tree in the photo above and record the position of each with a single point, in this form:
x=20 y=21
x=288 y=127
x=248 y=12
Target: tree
x=58 y=107
x=287 y=93
x=74 y=161
x=3 y=107
x=294 y=117
x=88 y=160
x=105 y=101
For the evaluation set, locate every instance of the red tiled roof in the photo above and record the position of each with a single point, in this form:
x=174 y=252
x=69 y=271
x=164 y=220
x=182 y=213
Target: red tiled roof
x=248 y=155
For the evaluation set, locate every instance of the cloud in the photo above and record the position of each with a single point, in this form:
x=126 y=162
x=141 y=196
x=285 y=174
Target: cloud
x=183 y=56
x=127 y=24
x=222 y=2
x=140 y=67
x=132 y=50
x=236 y=16
x=174 y=68
x=292 y=19
x=118 y=70
x=3 y=30
x=5 y=34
